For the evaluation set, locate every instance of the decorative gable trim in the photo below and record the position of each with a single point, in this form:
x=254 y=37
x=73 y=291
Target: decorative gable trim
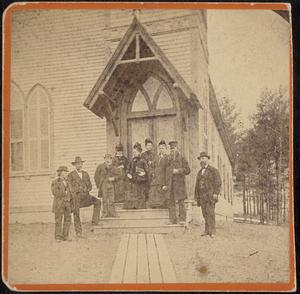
x=134 y=30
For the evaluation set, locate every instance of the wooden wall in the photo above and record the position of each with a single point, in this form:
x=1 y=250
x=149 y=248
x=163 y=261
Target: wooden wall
x=65 y=51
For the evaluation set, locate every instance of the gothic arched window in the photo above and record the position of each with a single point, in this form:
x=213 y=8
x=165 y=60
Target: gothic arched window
x=16 y=129
x=153 y=96
x=38 y=125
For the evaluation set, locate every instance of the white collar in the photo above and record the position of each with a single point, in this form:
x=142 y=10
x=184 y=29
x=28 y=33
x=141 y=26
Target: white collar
x=205 y=167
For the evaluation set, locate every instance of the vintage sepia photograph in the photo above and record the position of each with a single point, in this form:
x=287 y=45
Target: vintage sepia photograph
x=148 y=147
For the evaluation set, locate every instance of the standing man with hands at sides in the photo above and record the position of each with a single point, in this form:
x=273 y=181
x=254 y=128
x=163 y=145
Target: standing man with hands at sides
x=149 y=156
x=159 y=186
x=178 y=168
x=105 y=178
x=81 y=186
x=61 y=204
x=120 y=162
x=207 y=189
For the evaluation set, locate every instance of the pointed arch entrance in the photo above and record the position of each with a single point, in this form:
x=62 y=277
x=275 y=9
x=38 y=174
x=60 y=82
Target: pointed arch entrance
x=141 y=94
x=151 y=112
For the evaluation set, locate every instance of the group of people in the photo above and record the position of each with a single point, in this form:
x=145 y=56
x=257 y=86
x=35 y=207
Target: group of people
x=148 y=180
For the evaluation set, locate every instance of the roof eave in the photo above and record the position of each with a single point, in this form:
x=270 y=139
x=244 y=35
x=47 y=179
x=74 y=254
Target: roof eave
x=112 y=64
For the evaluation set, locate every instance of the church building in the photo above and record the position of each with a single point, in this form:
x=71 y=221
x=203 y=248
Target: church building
x=83 y=81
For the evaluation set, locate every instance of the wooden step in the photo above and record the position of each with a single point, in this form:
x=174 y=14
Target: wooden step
x=142 y=213
x=119 y=206
x=138 y=220
x=167 y=229
x=133 y=222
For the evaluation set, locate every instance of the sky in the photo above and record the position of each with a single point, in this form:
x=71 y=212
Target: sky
x=248 y=52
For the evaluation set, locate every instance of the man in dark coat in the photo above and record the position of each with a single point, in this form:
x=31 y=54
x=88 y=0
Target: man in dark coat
x=160 y=185
x=121 y=163
x=178 y=168
x=207 y=189
x=61 y=204
x=106 y=176
x=81 y=185
x=149 y=156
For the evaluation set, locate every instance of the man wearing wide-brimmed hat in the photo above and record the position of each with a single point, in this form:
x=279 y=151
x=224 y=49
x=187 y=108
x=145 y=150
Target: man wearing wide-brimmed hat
x=207 y=189
x=61 y=204
x=81 y=185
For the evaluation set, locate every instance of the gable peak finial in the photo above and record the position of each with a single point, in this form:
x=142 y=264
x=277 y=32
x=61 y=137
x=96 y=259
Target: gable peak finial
x=136 y=13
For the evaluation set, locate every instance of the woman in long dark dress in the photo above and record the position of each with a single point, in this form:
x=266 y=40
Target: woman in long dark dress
x=137 y=176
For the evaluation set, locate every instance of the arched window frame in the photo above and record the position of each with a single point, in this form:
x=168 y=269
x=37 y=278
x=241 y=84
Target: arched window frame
x=152 y=106
x=17 y=89
x=39 y=170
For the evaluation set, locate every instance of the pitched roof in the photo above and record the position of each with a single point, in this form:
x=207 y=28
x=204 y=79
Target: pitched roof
x=217 y=116
x=116 y=60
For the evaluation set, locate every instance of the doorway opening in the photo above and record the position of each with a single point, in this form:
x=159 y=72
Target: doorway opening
x=151 y=113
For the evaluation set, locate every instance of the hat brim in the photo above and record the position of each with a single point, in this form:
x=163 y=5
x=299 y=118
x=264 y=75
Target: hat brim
x=61 y=170
x=74 y=162
x=203 y=156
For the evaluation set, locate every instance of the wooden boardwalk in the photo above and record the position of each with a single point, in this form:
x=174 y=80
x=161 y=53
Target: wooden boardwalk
x=142 y=258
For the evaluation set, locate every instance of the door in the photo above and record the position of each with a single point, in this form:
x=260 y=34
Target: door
x=165 y=128
x=138 y=130
x=151 y=113
x=157 y=128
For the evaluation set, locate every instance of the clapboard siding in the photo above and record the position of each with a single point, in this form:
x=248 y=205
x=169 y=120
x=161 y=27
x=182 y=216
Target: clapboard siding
x=63 y=51
x=66 y=51
x=124 y=17
x=31 y=192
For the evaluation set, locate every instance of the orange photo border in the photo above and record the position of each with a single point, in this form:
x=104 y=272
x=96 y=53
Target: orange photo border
x=7 y=17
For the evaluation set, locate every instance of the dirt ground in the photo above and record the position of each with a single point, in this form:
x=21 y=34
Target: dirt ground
x=239 y=253
x=34 y=256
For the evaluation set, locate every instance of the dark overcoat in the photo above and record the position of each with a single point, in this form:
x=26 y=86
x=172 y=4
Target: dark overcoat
x=160 y=165
x=158 y=196
x=149 y=157
x=80 y=188
x=61 y=193
x=121 y=163
x=103 y=172
x=177 y=181
x=207 y=185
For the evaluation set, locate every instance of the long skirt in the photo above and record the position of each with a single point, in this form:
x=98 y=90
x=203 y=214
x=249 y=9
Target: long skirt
x=120 y=190
x=157 y=197
x=135 y=197
x=109 y=200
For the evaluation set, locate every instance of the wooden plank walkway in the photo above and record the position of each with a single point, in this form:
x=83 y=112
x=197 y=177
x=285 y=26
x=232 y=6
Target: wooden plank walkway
x=142 y=258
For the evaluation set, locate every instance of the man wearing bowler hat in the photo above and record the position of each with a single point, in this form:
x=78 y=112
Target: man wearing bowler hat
x=81 y=185
x=207 y=189
x=178 y=168
x=61 y=204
